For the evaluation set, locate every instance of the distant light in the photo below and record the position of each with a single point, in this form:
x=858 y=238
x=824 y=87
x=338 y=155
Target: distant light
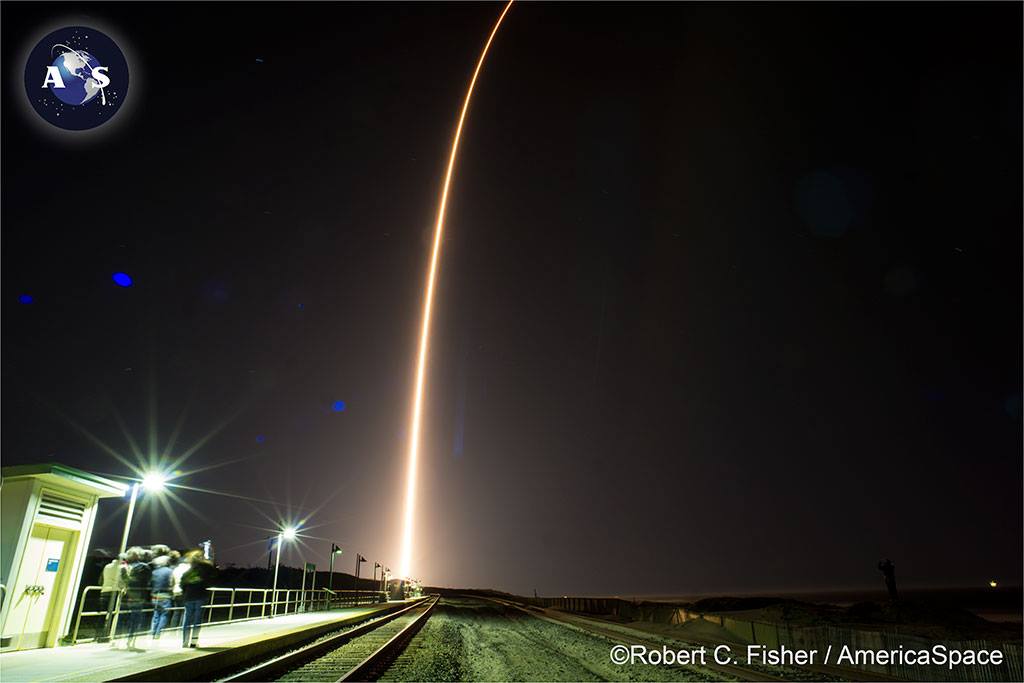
x=289 y=533
x=993 y=583
x=154 y=482
x=302 y=307
x=25 y=299
x=122 y=279
x=260 y=438
x=339 y=406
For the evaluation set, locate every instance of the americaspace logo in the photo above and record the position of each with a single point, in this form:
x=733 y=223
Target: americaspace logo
x=76 y=78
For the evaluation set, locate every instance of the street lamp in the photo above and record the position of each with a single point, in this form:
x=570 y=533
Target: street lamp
x=286 y=534
x=152 y=482
x=335 y=550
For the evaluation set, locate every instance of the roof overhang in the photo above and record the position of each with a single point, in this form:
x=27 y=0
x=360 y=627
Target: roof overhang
x=62 y=476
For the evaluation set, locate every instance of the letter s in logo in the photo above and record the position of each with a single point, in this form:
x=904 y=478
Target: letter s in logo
x=99 y=73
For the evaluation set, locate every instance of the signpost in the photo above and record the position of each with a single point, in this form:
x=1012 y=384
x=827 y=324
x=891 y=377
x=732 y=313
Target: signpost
x=307 y=568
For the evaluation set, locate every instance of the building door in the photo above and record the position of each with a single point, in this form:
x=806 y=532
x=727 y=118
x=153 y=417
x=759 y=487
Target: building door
x=35 y=593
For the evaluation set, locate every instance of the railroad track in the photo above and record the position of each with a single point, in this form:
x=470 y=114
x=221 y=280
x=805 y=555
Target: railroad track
x=362 y=653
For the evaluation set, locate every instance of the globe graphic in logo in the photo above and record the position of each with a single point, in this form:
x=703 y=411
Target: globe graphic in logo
x=76 y=70
x=76 y=78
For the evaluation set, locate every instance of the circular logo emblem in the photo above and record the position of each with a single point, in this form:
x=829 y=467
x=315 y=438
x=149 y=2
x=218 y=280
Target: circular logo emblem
x=76 y=78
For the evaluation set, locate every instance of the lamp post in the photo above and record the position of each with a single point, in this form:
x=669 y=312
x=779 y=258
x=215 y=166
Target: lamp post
x=359 y=560
x=335 y=550
x=287 y=533
x=153 y=482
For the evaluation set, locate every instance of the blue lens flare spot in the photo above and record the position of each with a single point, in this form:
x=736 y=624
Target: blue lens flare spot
x=338 y=406
x=260 y=438
x=25 y=299
x=122 y=279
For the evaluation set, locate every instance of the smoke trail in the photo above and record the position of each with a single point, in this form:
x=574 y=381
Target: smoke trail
x=428 y=302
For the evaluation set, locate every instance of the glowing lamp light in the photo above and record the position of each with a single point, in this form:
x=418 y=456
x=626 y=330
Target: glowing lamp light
x=154 y=482
x=122 y=279
x=288 y=533
x=993 y=584
x=338 y=406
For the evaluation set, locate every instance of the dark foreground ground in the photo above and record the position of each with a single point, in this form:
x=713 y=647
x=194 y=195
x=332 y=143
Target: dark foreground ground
x=469 y=639
x=485 y=636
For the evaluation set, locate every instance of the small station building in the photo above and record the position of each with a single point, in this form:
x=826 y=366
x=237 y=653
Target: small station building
x=47 y=514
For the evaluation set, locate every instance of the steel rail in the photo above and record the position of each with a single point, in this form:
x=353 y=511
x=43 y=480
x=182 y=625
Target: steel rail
x=278 y=666
x=371 y=668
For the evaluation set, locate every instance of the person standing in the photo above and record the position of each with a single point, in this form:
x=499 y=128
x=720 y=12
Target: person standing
x=194 y=583
x=160 y=587
x=136 y=594
x=179 y=570
x=114 y=574
x=178 y=567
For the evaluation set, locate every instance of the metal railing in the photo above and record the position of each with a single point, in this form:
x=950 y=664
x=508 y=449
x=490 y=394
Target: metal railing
x=223 y=606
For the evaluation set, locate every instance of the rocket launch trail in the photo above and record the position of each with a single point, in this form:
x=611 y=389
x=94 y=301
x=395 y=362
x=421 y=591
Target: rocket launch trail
x=428 y=302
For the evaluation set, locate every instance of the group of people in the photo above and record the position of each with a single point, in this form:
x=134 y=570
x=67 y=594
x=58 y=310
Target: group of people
x=162 y=578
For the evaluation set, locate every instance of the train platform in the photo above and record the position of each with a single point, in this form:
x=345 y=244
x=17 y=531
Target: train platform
x=221 y=648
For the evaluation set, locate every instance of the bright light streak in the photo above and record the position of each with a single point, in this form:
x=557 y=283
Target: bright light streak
x=154 y=482
x=428 y=302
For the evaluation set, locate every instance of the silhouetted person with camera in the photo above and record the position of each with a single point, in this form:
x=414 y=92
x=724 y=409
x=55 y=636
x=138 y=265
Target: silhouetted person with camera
x=888 y=569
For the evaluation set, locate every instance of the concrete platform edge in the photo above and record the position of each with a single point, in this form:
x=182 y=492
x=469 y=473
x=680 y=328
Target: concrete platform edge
x=236 y=654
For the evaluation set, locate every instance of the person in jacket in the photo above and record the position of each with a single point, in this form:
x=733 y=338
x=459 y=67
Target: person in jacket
x=114 y=574
x=194 y=582
x=136 y=593
x=174 y=619
x=179 y=565
x=160 y=589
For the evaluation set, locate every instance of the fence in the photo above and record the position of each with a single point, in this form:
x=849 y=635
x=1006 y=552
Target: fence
x=224 y=605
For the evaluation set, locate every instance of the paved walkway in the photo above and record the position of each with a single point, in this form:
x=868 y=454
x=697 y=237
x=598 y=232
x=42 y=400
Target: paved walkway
x=102 y=662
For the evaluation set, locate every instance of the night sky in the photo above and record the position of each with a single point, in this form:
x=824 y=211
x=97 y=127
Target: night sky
x=730 y=295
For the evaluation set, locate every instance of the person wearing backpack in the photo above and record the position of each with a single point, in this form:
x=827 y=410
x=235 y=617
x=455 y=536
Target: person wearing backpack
x=194 y=585
x=136 y=594
x=160 y=587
